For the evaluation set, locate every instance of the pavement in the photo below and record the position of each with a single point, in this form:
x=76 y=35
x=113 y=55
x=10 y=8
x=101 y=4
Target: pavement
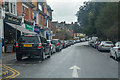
x=77 y=61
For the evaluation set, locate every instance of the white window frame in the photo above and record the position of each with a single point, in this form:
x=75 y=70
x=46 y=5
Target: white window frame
x=14 y=10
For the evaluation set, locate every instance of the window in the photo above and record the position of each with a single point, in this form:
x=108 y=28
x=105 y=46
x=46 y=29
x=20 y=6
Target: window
x=11 y=6
x=39 y=7
x=34 y=15
x=25 y=12
x=6 y=6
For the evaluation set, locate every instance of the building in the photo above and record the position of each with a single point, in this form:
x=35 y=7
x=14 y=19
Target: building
x=62 y=30
x=79 y=35
x=26 y=18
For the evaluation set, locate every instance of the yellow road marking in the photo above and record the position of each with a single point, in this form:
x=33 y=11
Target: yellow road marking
x=13 y=71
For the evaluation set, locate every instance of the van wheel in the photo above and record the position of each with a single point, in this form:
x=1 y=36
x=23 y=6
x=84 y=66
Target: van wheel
x=19 y=57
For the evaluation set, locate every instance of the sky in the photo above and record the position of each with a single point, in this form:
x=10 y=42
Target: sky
x=65 y=10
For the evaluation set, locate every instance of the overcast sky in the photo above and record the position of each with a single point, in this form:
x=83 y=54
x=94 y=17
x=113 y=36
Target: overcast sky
x=65 y=10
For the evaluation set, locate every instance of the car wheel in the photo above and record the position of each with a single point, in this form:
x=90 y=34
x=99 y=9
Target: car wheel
x=19 y=57
x=42 y=56
x=110 y=54
x=50 y=52
x=55 y=51
x=115 y=56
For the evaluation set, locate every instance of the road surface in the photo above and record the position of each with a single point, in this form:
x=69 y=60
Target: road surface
x=90 y=62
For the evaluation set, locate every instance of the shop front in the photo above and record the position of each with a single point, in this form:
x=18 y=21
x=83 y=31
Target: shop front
x=48 y=34
x=11 y=34
x=13 y=29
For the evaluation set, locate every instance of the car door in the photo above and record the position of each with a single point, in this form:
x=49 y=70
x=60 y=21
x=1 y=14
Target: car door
x=47 y=46
x=114 y=49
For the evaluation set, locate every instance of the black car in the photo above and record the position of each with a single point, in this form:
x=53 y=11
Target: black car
x=32 y=45
x=58 y=44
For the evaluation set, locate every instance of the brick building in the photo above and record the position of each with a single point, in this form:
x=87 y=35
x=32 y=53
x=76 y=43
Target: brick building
x=26 y=18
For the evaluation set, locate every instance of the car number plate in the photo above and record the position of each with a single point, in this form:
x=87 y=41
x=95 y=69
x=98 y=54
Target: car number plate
x=27 y=45
x=107 y=46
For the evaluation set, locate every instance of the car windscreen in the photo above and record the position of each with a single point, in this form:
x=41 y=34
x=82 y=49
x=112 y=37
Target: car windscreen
x=109 y=42
x=49 y=41
x=28 y=39
x=54 y=41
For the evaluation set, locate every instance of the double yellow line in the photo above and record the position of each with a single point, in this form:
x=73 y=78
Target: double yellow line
x=15 y=73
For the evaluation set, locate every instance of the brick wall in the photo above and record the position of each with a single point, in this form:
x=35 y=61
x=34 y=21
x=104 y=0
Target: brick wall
x=1 y=2
x=29 y=14
x=19 y=8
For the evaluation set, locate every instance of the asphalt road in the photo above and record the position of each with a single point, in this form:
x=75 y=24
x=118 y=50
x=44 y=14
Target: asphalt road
x=92 y=64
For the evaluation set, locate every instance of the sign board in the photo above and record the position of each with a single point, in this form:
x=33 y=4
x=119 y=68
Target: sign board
x=29 y=27
x=12 y=19
x=37 y=29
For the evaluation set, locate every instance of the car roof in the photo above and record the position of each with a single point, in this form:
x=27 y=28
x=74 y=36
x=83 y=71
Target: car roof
x=118 y=42
x=55 y=39
x=48 y=40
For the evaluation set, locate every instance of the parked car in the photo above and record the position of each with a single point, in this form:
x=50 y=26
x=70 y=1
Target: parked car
x=71 y=42
x=63 y=44
x=58 y=44
x=74 y=41
x=66 y=43
x=53 y=47
x=91 y=43
x=32 y=45
x=97 y=44
x=82 y=39
x=105 y=46
x=115 y=51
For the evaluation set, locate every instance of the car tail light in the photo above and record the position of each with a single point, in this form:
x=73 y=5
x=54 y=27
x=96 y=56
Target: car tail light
x=102 y=45
x=118 y=48
x=19 y=52
x=50 y=45
x=17 y=45
x=29 y=35
x=57 y=44
x=112 y=45
x=40 y=46
x=35 y=53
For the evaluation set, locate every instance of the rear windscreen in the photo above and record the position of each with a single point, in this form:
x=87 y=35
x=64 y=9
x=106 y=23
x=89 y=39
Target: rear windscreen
x=26 y=39
x=108 y=42
x=54 y=41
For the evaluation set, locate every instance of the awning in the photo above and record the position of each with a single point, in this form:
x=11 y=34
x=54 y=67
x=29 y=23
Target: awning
x=18 y=27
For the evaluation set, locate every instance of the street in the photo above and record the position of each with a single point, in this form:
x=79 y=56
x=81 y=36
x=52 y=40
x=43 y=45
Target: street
x=89 y=63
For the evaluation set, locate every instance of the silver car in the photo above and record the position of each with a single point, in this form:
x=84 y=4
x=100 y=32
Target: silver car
x=53 y=47
x=105 y=46
x=115 y=51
